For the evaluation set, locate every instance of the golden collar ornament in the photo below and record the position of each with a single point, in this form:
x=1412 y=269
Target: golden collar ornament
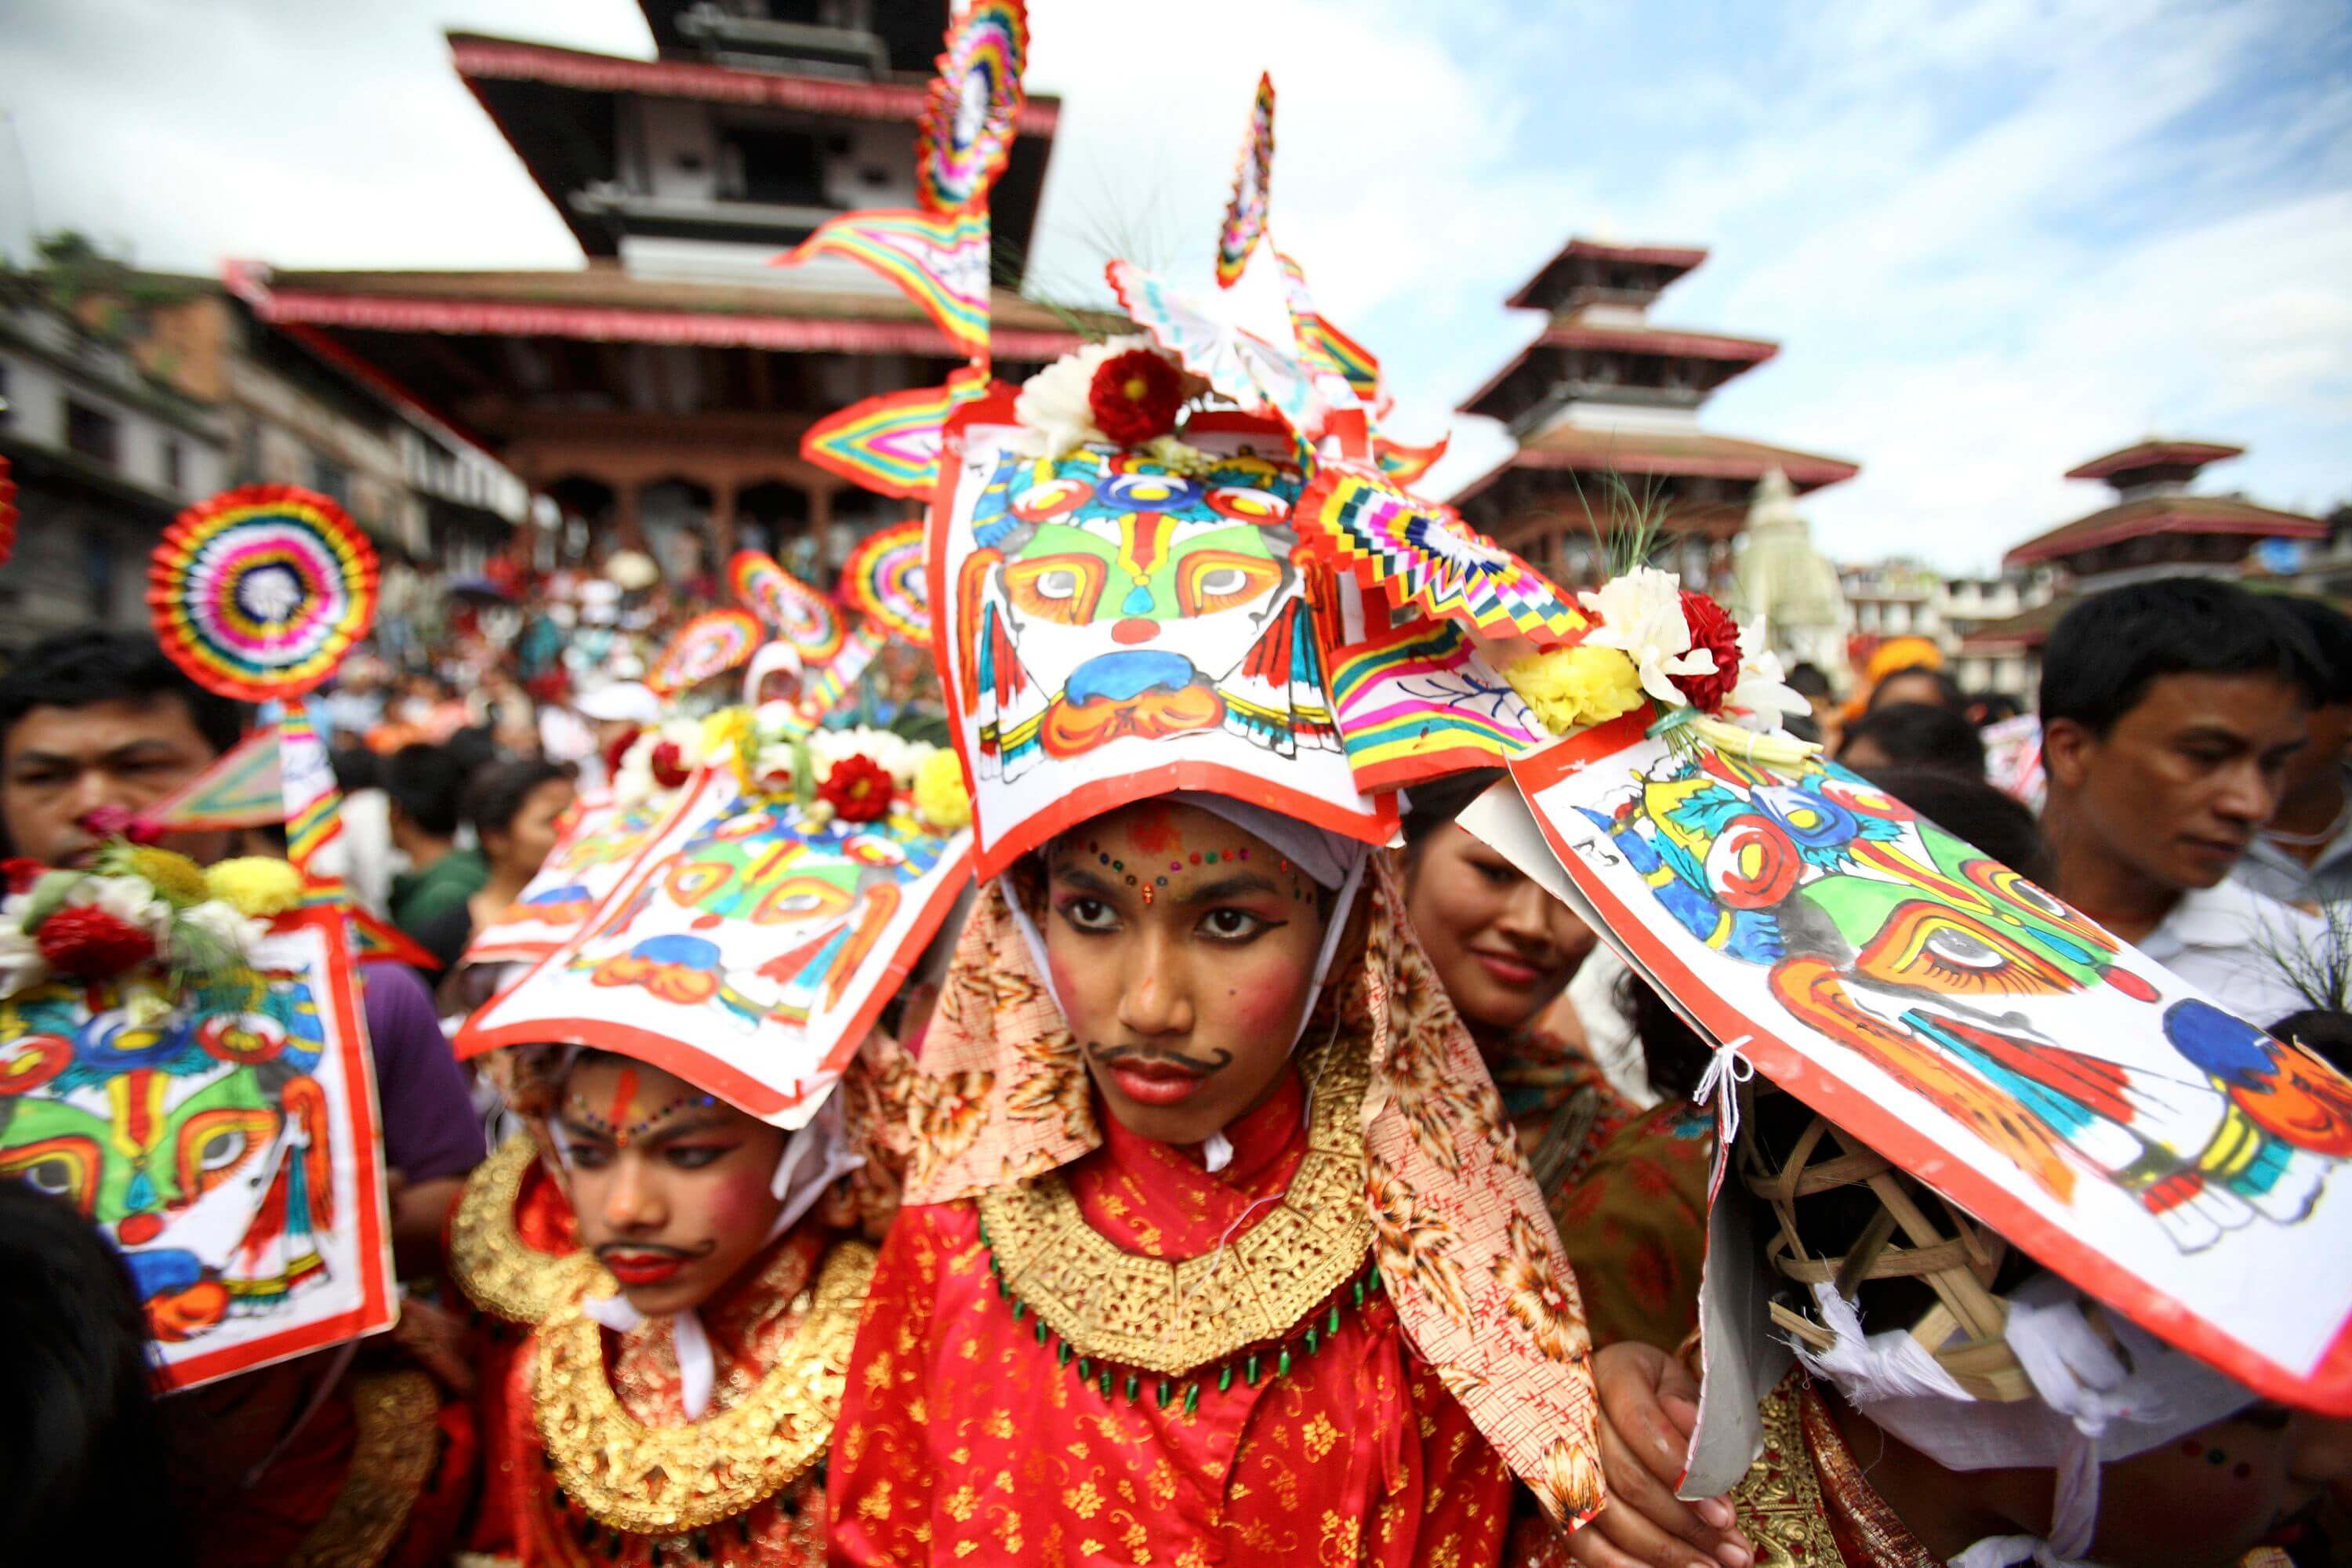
x=498 y=1271
x=666 y=1481
x=1171 y=1318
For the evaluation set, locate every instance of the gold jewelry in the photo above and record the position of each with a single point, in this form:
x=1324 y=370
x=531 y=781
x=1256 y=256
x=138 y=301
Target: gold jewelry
x=396 y=1414
x=666 y=1481
x=1171 y=1318
x=499 y=1272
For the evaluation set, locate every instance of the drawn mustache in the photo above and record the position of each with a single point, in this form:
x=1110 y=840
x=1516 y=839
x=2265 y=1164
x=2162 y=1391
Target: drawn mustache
x=1195 y=1065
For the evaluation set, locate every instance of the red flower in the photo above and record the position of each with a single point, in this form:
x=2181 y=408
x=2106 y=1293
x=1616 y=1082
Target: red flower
x=83 y=939
x=117 y=822
x=668 y=764
x=1712 y=629
x=858 y=788
x=1134 y=396
x=21 y=873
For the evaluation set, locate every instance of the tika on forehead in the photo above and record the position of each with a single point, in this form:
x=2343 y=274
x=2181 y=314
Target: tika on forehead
x=621 y=1121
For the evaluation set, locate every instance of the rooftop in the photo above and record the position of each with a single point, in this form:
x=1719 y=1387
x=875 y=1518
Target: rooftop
x=1662 y=264
x=1575 y=448
x=1534 y=377
x=2155 y=453
x=2026 y=631
x=2165 y=514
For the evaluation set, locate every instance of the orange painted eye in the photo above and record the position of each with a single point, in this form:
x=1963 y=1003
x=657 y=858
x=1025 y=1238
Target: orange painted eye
x=1063 y=588
x=798 y=898
x=214 y=1145
x=1208 y=581
x=1245 y=504
x=1050 y=499
x=62 y=1167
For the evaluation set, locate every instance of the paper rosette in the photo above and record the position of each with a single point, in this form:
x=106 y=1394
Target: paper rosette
x=884 y=579
x=712 y=643
x=794 y=611
x=260 y=592
x=969 y=118
x=1239 y=363
x=1427 y=560
x=1253 y=176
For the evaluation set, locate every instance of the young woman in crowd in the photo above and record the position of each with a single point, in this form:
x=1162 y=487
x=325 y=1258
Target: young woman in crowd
x=1505 y=950
x=515 y=807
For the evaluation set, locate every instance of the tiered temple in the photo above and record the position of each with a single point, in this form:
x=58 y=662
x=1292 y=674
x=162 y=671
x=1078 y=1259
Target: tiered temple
x=659 y=392
x=1604 y=405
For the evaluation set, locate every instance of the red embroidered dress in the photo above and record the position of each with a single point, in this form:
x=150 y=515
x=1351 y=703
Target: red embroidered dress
x=967 y=1435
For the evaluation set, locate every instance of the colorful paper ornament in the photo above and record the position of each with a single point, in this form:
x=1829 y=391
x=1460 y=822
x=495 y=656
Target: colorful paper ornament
x=940 y=262
x=710 y=644
x=794 y=611
x=1416 y=702
x=890 y=443
x=969 y=117
x=1245 y=210
x=240 y=789
x=1239 y=363
x=1322 y=346
x=887 y=579
x=1426 y=560
x=1406 y=465
x=260 y=592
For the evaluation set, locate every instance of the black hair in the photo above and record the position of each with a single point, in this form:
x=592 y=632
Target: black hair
x=1947 y=690
x=1919 y=733
x=80 y=1436
x=1439 y=801
x=356 y=768
x=1808 y=680
x=2325 y=1034
x=495 y=794
x=425 y=783
x=2331 y=635
x=90 y=665
x=2104 y=653
x=1991 y=707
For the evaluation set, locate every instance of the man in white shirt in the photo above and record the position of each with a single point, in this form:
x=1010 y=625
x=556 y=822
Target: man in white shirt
x=2169 y=712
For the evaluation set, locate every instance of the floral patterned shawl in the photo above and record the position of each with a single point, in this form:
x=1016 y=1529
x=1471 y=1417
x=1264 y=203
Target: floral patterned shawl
x=1465 y=1249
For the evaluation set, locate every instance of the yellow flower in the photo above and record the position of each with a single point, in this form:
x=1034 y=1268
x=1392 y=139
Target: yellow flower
x=1571 y=689
x=941 y=799
x=727 y=726
x=256 y=886
x=172 y=874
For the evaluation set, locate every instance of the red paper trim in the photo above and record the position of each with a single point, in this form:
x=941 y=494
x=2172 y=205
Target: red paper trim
x=374 y=1312
x=2328 y=1390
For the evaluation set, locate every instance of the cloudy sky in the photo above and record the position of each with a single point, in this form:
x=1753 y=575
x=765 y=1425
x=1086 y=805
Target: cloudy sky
x=1994 y=238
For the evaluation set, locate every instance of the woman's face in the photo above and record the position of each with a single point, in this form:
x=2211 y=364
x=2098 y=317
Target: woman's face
x=1503 y=947
x=670 y=1186
x=529 y=838
x=1183 y=949
x=2206 y=1497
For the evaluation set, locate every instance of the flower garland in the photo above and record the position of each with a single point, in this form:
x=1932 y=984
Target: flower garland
x=138 y=908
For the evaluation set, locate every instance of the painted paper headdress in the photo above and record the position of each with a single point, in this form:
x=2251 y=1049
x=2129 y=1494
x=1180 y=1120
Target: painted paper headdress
x=773 y=900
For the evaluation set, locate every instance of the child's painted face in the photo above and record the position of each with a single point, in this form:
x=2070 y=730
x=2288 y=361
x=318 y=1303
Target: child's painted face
x=2208 y=1497
x=1183 y=949
x=670 y=1186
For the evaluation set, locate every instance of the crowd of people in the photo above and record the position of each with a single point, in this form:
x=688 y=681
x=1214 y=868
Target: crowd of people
x=2193 y=802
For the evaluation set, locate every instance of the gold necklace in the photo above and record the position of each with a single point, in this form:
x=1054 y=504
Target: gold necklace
x=668 y=1480
x=1168 y=1317
x=499 y=1272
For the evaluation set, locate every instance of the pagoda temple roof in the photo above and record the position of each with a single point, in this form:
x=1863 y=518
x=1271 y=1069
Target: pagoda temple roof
x=2151 y=515
x=2026 y=631
x=2155 y=454
x=1528 y=377
x=1550 y=277
x=607 y=304
x=1575 y=448
x=910 y=32
x=554 y=106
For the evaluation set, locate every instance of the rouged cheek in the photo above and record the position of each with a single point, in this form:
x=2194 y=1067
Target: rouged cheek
x=735 y=1202
x=1262 y=997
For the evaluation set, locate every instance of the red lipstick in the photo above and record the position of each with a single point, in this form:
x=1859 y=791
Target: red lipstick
x=1155 y=1082
x=641 y=1267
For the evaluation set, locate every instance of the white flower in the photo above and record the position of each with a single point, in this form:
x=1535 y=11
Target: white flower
x=219 y=919
x=1761 y=694
x=21 y=963
x=1054 y=408
x=1641 y=614
x=129 y=900
x=633 y=781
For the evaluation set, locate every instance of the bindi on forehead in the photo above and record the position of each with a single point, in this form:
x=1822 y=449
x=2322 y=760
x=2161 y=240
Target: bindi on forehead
x=621 y=1121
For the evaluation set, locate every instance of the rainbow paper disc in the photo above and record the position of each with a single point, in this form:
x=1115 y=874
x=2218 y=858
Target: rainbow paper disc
x=967 y=122
x=796 y=611
x=260 y=592
x=1427 y=560
x=712 y=644
x=886 y=579
x=1253 y=176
